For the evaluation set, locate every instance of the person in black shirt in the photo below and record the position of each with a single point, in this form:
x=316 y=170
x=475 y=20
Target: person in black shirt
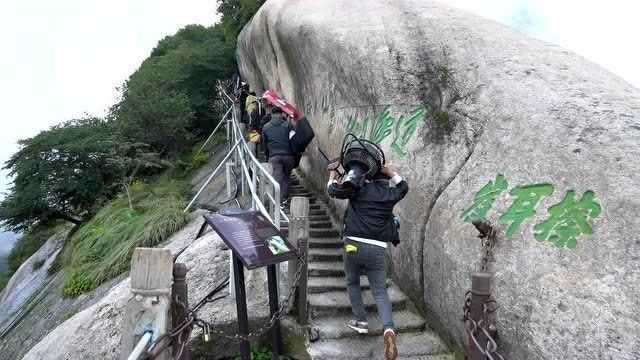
x=275 y=136
x=369 y=226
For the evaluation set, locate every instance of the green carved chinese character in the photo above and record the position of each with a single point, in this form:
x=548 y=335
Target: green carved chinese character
x=382 y=127
x=524 y=206
x=569 y=219
x=484 y=199
x=404 y=130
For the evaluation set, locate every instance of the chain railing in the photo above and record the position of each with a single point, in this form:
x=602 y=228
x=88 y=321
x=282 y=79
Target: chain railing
x=479 y=305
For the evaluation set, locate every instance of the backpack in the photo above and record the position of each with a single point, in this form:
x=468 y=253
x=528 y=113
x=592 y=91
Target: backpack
x=303 y=136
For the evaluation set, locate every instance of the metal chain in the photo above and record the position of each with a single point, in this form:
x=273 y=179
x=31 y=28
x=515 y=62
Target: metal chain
x=488 y=241
x=485 y=325
x=278 y=315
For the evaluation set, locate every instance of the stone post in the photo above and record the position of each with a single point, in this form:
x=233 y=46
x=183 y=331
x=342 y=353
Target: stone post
x=179 y=310
x=148 y=307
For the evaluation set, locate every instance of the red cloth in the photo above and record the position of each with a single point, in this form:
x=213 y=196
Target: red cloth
x=274 y=99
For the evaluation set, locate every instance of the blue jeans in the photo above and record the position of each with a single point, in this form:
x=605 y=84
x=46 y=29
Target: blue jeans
x=370 y=260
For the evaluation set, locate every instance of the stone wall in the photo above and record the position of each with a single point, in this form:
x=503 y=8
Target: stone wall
x=456 y=100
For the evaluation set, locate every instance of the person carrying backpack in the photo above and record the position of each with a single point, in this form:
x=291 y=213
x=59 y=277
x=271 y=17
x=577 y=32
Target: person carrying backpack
x=251 y=104
x=275 y=136
x=369 y=226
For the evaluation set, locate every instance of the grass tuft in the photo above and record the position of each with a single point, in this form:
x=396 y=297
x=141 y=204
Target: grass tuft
x=102 y=248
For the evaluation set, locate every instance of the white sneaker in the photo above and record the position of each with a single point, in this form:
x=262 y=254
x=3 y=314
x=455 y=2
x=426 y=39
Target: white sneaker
x=361 y=327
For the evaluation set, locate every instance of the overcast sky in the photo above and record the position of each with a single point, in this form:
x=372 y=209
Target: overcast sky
x=63 y=58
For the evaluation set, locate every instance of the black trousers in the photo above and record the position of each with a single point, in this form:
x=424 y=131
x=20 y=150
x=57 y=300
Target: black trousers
x=282 y=167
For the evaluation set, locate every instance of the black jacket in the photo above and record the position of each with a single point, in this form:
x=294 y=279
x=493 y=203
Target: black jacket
x=275 y=135
x=370 y=211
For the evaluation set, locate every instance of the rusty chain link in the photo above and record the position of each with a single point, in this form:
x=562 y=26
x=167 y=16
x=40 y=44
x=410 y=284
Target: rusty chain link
x=488 y=241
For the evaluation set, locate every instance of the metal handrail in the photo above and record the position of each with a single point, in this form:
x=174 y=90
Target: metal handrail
x=247 y=151
x=247 y=160
x=213 y=132
x=141 y=347
x=213 y=174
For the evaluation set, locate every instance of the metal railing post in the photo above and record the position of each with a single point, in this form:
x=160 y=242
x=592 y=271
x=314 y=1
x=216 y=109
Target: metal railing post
x=254 y=184
x=298 y=236
x=480 y=293
x=266 y=188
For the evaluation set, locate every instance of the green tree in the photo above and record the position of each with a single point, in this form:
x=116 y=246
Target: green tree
x=155 y=116
x=132 y=159
x=70 y=170
x=170 y=98
x=236 y=14
x=60 y=173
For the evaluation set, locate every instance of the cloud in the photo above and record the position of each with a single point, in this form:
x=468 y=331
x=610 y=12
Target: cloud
x=604 y=32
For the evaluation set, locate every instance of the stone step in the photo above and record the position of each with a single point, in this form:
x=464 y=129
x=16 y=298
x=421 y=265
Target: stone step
x=325 y=254
x=302 y=193
x=317 y=233
x=324 y=233
x=332 y=303
x=316 y=212
x=312 y=212
x=313 y=224
x=335 y=327
x=423 y=345
x=335 y=269
x=312 y=201
x=312 y=208
x=319 y=284
x=317 y=218
x=325 y=242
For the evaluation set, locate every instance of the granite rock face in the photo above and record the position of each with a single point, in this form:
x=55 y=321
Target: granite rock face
x=29 y=278
x=456 y=100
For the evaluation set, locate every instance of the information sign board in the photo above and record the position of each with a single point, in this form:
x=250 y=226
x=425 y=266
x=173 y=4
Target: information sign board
x=252 y=238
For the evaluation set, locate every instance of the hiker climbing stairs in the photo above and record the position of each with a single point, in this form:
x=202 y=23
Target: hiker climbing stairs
x=330 y=307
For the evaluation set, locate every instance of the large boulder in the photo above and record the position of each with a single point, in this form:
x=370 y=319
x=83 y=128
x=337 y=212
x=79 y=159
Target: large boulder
x=456 y=100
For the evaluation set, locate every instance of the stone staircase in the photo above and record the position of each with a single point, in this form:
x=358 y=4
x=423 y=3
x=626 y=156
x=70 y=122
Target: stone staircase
x=330 y=307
